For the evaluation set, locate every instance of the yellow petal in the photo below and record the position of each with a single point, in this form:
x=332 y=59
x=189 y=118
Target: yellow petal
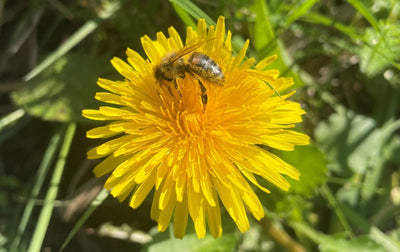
x=233 y=205
x=201 y=29
x=163 y=41
x=219 y=38
x=165 y=215
x=142 y=191
x=108 y=164
x=207 y=188
x=97 y=115
x=197 y=211
x=155 y=210
x=214 y=219
x=125 y=184
x=124 y=69
x=180 y=218
x=180 y=187
x=240 y=56
x=265 y=62
x=167 y=192
x=175 y=37
x=110 y=146
x=101 y=132
x=116 y=87
x=190 y=35
x=153 y=52
x=109 y=98
x=137 y=62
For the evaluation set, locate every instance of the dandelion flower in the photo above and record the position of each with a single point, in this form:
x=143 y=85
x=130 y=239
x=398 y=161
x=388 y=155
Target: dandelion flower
x=196 y=157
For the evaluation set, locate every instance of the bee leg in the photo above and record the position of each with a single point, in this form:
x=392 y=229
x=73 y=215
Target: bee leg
x=203 y=89
x=177 y=88
x=204 y=96
x=170 y=91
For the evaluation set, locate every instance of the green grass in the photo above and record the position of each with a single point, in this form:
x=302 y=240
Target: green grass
x=343 y=55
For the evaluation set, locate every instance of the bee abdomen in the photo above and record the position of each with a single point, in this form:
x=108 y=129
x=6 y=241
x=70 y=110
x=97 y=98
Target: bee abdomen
x=203 y=66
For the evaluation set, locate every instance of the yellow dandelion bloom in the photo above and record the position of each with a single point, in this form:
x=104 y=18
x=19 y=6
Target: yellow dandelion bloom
x=195 y=153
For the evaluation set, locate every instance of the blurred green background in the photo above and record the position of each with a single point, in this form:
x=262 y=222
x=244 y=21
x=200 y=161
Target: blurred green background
x=343 y=55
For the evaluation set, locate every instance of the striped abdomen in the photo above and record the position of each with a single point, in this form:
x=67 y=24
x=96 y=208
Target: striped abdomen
x=203 y=66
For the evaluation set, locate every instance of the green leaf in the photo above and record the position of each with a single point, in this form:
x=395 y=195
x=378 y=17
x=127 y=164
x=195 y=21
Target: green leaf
x=330 y=243
x=266 y=43
x=312 y=166
x=379 y=141
x=374 y=59
x=385 y=96
x=370 y=17
x=394 y=148
x=190 y=242
x=354 y=144
x=64 y=89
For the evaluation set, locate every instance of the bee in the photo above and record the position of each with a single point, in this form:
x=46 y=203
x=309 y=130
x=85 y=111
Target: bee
x=174 y=65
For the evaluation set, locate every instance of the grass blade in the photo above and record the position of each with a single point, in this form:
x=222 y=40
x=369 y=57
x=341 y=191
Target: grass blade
x=11 y=123
x=45 y=214
x=267 y=43
x=380 y=238
x=360 y=7
x=355 y=218
x=193 y=10
x=40 y=176
x=185 y=17
x=10 y=119
x=337 y=209
x=316 y=18
x=185 y=9
x=264 y=35
x=77 y=37
x=299 y=11
x=93 y=206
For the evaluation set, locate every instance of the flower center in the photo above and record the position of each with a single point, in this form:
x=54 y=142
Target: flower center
x=184 y=108
x=191 y=123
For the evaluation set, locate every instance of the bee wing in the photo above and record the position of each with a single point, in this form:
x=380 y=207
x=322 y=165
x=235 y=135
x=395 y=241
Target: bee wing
x=186 y=50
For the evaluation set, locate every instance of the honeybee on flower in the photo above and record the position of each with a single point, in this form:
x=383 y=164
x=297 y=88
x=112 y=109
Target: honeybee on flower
x=198 y=65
